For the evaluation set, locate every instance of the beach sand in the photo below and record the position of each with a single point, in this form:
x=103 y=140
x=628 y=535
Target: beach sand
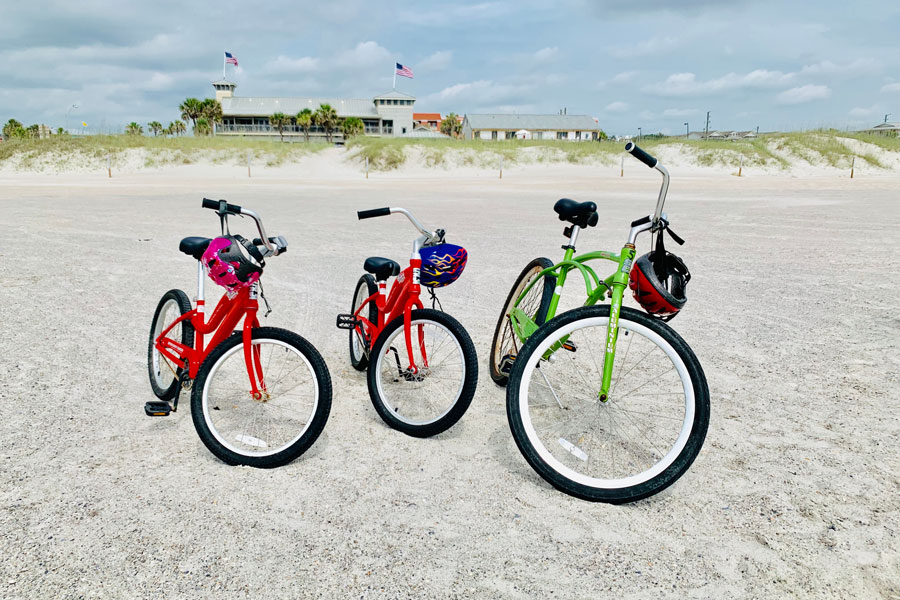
x=792 y=313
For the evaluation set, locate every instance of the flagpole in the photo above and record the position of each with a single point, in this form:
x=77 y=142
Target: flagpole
x=223 y=65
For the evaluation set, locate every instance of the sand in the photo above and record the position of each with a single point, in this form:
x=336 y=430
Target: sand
x=792 y=313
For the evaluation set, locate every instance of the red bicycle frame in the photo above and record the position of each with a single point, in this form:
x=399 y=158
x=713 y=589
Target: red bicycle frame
x=403 y=298
x=221 y=324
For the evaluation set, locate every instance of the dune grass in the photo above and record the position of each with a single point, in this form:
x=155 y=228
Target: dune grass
x=160 y=150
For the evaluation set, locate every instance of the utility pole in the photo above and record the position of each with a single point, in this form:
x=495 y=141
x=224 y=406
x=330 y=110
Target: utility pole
x=687 y=130
x=639 y=134
x=706 y=135
x=886 y=117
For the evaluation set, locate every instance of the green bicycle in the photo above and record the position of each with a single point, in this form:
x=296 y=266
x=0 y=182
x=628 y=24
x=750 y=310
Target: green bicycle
x=605 y=402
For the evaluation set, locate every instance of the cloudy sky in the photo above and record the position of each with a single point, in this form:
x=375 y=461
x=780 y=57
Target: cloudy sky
x=772 y=64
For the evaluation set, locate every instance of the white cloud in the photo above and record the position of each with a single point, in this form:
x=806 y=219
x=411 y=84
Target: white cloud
x=860 y=66
x=546 y=54
x=616 y=107
x=680 y=112
x=436 y=62
x=804 y=93
x=865 y=112
x=686 y=84
x=284 y=64
x=891 y=88
x=365 y=54
x=655 y=45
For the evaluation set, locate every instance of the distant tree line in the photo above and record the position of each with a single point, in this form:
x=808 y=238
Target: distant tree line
x=14 y=129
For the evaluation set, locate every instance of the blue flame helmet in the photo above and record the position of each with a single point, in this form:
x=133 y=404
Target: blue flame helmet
x=442 y=264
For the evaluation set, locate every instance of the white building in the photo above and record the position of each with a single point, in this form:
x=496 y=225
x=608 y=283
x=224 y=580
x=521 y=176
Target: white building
x=535 y=127
x=388 y=115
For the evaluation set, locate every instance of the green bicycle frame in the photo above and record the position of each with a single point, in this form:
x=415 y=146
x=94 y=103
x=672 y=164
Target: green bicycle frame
x=614 y=286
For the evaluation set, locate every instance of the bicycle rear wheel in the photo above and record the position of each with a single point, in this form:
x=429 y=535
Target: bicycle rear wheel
x=430 y=398
x=505 y=344
x=638 y=442
x=359 y=343
x=272 y=430
x=163 y=372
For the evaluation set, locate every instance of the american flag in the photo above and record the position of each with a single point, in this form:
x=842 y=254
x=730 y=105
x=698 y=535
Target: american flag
x=230 y=59
x=403 y=71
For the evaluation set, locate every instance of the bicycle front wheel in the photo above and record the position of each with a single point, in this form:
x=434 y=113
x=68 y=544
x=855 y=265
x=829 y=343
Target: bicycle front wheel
x=535 y=304
x=277 y=427
x=636 y=443
x=431 y=394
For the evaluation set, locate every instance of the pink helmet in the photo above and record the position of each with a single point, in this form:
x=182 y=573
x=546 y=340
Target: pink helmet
x=229 y=260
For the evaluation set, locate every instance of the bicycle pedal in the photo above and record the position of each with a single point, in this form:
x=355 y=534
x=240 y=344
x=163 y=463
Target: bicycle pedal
x=506 y=363
x=346 y=321
x=157 y=408
x=570 y=346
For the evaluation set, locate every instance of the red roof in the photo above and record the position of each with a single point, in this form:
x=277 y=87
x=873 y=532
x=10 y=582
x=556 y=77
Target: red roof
x=426 y=116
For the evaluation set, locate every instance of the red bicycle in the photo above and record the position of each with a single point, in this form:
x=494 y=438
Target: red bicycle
x=260 y=396
x=424 y=368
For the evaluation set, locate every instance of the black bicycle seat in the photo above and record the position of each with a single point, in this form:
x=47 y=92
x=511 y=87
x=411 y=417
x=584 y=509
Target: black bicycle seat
x=194 y=246
x=382 y=268
x=583 y=214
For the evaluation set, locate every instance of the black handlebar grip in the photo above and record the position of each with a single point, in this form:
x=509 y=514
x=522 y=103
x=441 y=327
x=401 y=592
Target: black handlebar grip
x=639 y=154
x=375 y=212
x=214 y=205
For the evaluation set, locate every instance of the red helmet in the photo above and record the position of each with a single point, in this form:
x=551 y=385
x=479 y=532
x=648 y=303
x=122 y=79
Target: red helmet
x=659 y=280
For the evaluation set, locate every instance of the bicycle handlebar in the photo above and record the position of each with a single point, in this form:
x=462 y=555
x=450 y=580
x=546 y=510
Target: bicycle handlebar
x=653 y=163
x=275 y=246
x=641 y=155
x=375 y=212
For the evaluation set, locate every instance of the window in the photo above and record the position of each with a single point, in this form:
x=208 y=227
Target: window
x=404 y=130
x=493 y=135
x=537 y=135
x=510 y=135
x=561 y=135
x=577 y=135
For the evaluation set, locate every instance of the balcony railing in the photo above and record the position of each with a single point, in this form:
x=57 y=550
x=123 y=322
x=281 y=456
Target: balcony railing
x=295 y=130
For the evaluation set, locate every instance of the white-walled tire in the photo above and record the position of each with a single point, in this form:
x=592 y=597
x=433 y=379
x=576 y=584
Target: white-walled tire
x=434 y=398
x=638 y=442
x=275 y=429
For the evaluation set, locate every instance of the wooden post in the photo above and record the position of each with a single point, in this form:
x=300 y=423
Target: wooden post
x=367 y=167
x=622 y=167
x=248 y=163
x=109 y=165
x=741 y=167
x=852 y=166
x=501 y=166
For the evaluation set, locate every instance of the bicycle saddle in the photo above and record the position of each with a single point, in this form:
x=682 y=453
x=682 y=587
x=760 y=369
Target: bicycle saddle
x=583 y=214
x=194 y=246
x=382 y=268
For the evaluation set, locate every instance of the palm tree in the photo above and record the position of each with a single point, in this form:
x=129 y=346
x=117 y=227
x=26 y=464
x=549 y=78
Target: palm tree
x=305 y=121
x=203 y=127
x=326 y=118
x=134 y=129
x=170 y=130
x=279 y=121
x=156 y=127
x=212 y=111
x=178 y=127
x=352 y=126
x=451 y=126
x=191 y=110
x=13 y=129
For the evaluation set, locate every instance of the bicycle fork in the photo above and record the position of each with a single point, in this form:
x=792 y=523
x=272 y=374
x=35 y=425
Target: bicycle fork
x=619 y=283
x=258 y=390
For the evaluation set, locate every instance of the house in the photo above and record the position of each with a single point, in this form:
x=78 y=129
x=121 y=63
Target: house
x=430 y=121
x=536 y=127
x=385 y=115
x=885 y=128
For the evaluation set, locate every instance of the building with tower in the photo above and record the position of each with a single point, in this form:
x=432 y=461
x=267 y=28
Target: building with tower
x=385 y=115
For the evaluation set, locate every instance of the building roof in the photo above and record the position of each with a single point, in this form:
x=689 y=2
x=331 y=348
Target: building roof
x=240 y=106
x=224 y=82
x=533 y=122
x=420 y=133
x=395 y=94
x=883 y=126
x=426 y=116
